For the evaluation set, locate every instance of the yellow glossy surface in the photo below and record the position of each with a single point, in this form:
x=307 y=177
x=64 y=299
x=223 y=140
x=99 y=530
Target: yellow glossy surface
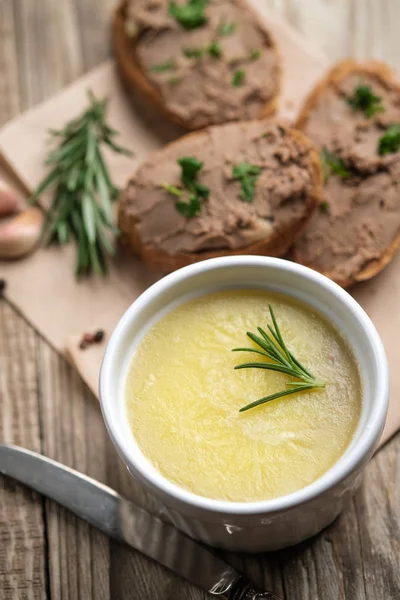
x=183 y=398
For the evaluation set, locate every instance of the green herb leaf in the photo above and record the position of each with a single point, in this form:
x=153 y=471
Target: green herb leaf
x=172 y=190
x=174 y=80
x=243 y=169
x=168 y=65
x=331 y=163
x=193 y=52
x=279 y=357
x=238 y=77
x=275 y=396
x=248 y=175
x=215 y=49
x=82 y=189
x=227 y=28
x=324 y=207
x=189 y=15
x=201 y=190
x=390 y=141
x=190 y=167
x=255 y=54
x=365 y=100
x=189 y=209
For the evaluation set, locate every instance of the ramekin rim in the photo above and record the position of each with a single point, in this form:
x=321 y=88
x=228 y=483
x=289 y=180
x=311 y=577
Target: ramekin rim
x=354 y=457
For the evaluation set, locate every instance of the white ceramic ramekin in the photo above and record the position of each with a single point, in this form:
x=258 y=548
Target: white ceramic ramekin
x=270 y=524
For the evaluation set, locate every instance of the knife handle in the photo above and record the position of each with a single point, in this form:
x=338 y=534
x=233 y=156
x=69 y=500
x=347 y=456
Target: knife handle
x=245 y=590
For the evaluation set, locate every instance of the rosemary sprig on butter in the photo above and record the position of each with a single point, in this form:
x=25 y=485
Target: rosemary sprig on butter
x=194 y=190
x=272 y=347
x=82 y=189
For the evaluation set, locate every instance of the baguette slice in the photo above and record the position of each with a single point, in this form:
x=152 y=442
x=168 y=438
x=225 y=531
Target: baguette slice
x=286 y=191
x=198 y=91
x=356 y=232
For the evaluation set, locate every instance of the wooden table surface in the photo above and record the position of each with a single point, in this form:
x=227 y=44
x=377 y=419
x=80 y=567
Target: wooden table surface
x=45 y=552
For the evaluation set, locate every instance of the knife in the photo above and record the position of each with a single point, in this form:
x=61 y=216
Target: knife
x=120 y=519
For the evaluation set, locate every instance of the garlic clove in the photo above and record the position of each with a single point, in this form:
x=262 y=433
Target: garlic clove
x=21 y=234
x=9 y=199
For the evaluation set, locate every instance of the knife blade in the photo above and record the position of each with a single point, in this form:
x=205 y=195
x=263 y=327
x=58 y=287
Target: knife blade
x=120 y=519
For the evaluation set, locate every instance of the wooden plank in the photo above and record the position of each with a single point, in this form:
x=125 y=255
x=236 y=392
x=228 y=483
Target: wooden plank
x=94 y=22
x=9 y=84
x=22 y=538
x=74 y=434
x=47 y=47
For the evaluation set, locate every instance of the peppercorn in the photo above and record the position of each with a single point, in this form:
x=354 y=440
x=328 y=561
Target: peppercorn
x=98 y=336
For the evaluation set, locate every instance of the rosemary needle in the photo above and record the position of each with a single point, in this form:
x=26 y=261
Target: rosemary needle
x=273 y=347
x=82 y=190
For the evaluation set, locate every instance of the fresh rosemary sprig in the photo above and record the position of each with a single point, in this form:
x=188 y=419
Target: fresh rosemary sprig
x=281 y=359
x=82 y=188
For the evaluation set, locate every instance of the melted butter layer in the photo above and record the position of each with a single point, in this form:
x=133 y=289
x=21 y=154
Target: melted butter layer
x=183 y=398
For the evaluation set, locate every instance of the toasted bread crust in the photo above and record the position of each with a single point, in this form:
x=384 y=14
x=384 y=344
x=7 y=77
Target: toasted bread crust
x=276 y=244
x=135 y=78
x=386 y=77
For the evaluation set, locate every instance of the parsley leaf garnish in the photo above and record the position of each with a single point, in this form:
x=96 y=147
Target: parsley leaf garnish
x=238 y=77
x=331 y=163
x=255 y=54
x=174 y=80
x=189 y=209
x=190 y=15
x=324 y=207
x=190 y=167
x=172 y=189
x=390 y=141
x=168 y=65
x=365 y=100
x=227 y=28
x=248 y=175
x=214 y=49
x=193 y=52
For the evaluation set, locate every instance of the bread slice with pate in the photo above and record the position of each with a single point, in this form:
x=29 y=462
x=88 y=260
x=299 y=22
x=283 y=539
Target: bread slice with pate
x=353 y=118
x=199 y=62
x=238 y=188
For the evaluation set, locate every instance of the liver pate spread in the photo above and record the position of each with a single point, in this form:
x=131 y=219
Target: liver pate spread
x=226 y=69
x=284 y=190
x=360 y=217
